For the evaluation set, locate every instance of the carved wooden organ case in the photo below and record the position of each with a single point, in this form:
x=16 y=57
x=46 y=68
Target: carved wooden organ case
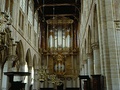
x=59 y=46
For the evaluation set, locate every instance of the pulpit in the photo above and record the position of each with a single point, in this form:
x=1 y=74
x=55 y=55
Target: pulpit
x=86 y=79
x=16 y=85
x=97 y=82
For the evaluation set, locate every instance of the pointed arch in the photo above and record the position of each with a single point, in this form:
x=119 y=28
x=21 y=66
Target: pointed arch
x=34 y=62
x=20 y=51
x=89 y=39
x=28 y=58
x=95 y=24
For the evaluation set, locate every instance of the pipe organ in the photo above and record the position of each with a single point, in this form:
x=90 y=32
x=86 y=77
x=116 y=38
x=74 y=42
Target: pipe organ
x=59 y=46
x=59 y=33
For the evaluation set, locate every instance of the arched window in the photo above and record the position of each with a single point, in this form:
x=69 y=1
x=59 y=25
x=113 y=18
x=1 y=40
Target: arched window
x=30 y=15
x=23 y=5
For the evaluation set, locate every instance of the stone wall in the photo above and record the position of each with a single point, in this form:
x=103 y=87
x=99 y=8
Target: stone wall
x=100 y=41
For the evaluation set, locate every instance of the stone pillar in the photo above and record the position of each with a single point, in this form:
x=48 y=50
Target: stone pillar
x=35 y=86
x=22 y=69
x=90 y=64
x=96 y=58
x=22 y=66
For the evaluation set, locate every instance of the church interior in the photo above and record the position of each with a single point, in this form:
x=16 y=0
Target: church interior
x=59 y=45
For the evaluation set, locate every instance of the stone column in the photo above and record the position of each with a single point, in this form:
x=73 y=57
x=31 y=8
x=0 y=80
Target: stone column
x=96 y=58
x=35 y=80
x=22 y=69
x=90 y=64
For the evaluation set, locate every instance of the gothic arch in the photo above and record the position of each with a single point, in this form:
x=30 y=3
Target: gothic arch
x=89 y=39
x=95 y=25
x=20 y=52
x=28 y=58
x=35 y=62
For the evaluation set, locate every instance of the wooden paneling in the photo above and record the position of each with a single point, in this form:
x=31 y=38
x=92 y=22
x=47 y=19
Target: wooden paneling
x=97 y=82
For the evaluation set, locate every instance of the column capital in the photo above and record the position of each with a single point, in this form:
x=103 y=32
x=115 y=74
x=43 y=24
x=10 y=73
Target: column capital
x=95 y=45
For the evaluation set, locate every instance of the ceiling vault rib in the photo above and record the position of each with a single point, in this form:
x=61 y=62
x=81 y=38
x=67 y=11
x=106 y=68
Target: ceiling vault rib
x=60 y=5
x=62 y=15
x=45 y=9
x=51 y=15
x=63 y=4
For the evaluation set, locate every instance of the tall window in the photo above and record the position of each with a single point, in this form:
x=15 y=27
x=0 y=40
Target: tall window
x=11 y=7
x=35 y=25
x=30 y=15
x=21 y=20
x=22 y=5
x=35 y=31
x=35 y=38
x=29 y=31
x=6 y=5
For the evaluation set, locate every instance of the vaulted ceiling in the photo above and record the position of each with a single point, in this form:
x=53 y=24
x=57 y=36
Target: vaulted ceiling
x=50 y=8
